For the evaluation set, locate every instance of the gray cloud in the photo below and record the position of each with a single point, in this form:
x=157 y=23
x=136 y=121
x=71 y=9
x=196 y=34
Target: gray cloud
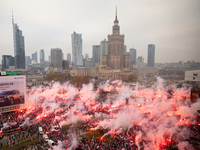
x=173 y=26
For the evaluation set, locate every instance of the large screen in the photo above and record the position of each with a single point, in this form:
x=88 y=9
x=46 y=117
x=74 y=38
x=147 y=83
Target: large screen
x=12 y=90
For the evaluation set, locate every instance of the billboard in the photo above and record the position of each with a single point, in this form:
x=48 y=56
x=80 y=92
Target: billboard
x=12 y=91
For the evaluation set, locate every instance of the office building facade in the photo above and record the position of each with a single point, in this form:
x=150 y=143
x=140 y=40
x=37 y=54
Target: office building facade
x=140 y=59
x=151 y=55
x=133 y=55
x=19 y=48
x=95 y=54
x=56 y=58
x=34 y=57
x=69 y=58
x=103 y=50
x=42 y=56
x=28 y=60
x=65 y=65
x=86 y=56
x=77 y=50
x=7 y=60
x=125 y=53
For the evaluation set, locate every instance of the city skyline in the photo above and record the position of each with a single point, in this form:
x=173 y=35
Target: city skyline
x=171 y=25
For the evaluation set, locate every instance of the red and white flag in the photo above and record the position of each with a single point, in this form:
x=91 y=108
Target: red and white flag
x=56 y=130
x=1 y=115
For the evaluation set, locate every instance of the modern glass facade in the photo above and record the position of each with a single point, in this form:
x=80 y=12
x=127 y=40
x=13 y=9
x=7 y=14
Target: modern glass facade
x=103 y=49
x=133 y=55
x=69 y=58
x=28 y=60
x=42 y=56
x=151 y=55
x=95 y=53
x=34 y=56
x=56 y=58
x=19 y=49
x=77 y=50
x=7 y=60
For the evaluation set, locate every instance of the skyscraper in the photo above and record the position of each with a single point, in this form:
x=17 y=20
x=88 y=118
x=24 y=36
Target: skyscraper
x=125 y=50
x=7 y=60
x=115 y=59
x=133 y=55
x=95 y=54
x=42 y=56
x=34 y=57
x=69 y=58
x=28 y=60
x=65 y=64
x=19 y=50
x=56 y=58
x=151 y=55
x=140 y=59
x=103 y=50
x=86 y=56
x=77 y=50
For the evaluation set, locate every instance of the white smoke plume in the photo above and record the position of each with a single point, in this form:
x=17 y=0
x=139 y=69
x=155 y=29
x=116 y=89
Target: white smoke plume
x=158 y=113
x=74 y=142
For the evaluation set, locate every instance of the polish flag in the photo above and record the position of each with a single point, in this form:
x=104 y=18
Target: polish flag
x=56 y=130
x=1 y=115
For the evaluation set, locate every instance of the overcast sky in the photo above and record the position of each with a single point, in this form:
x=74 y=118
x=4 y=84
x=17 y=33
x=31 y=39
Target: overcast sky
x=172 y=25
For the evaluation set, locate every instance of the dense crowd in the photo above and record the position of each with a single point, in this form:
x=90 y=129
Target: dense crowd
x=11 y=122
x=80 y=122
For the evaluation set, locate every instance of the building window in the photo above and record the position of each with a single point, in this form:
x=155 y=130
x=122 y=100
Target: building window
x=193 y=78
x=195 y=74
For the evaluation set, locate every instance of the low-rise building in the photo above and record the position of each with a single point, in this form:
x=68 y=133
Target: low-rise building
x=193 y=75
x=35 y=81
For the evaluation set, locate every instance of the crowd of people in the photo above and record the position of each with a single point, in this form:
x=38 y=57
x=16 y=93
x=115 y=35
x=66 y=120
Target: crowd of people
x=72 y=123
x=13 y=132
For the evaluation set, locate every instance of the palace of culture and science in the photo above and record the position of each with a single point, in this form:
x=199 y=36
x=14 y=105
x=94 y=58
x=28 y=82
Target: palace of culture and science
x=115 y=59
x=114 y=64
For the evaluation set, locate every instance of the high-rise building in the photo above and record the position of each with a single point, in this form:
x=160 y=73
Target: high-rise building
x=34 y=57
x=86 y=56
x=65 y=64
x=115 y=59
x=77 y=50
x=151 y=55
x=133 y=55
x=95 y=54
x=28 y=60
x=42 y=56
x=56 y=58
x=19 y=49
x=69 y=58
x=7 y=60
x=140 y=59
x=103 y=50
x=125 y=50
